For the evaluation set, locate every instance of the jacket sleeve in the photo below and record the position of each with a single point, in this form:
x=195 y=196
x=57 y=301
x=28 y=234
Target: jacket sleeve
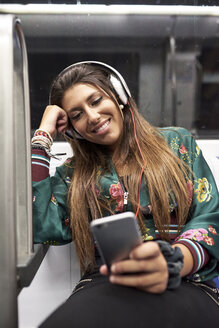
x=50 y=210
x=202 y=227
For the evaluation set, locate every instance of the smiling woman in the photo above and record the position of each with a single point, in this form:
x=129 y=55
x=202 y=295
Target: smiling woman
x=122 y=163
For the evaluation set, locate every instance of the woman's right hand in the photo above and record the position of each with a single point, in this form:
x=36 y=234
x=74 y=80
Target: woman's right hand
x=146 y=269
x=54 y=120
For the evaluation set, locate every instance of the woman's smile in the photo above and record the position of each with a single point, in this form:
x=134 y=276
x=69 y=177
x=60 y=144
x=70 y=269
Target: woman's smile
x=102 y=127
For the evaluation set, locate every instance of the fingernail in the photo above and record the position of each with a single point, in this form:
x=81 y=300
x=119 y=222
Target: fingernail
x=112 y=279
x=113 y=268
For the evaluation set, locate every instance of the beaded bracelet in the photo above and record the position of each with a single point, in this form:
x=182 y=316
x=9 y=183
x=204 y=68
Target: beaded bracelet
x=174 y=258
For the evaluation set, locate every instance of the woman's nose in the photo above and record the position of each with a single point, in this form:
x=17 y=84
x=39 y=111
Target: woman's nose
x=92 y=115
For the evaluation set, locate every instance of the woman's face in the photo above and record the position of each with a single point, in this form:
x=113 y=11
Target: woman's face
x=93 y=114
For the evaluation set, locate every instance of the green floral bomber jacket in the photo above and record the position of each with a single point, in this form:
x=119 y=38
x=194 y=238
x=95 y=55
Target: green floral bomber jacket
x=51 y=213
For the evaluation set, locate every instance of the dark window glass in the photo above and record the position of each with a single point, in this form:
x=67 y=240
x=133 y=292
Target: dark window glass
x=170 y=62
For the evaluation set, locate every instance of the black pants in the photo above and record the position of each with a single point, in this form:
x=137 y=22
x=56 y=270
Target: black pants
x=98 y=303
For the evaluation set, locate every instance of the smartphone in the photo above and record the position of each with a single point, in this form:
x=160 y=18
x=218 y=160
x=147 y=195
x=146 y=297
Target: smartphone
x=116 y=236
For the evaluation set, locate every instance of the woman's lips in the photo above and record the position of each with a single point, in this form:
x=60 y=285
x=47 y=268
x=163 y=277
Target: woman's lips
x=101 y=127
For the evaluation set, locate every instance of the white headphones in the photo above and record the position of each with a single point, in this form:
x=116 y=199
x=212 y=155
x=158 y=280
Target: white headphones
x=116 y=79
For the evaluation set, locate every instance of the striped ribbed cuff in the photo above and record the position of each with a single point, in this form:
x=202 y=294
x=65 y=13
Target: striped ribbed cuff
x=199 y=254
x=40 y=164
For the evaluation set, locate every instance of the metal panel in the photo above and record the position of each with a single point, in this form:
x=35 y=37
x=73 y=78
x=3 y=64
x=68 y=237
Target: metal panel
x=22 y=149
x=16 y=240
x=8 y=304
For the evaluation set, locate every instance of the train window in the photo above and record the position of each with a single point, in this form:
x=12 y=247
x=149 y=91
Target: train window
x=169 y=57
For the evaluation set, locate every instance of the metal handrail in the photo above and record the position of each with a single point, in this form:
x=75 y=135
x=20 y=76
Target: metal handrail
x=61 y=9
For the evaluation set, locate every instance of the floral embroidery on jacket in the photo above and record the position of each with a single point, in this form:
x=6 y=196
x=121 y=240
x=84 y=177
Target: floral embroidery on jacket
x=116 y=193
x=178 y=145
x=203 y=190
x=53 y=200
x=196 y=277
x=67 y=180
x=174 y=144
x=68 y=163
x=197 y=151
x=183 y=150
x=199 y=234
x=96 y=190
x=212 y=230
x=67 y=222
x=209 y=241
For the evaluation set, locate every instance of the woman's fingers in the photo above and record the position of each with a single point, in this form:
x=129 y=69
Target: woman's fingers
x=145 y=251
x=152 y=282
x=62 y=124
x=104 y=270
x=132 y=266
x=54 y=119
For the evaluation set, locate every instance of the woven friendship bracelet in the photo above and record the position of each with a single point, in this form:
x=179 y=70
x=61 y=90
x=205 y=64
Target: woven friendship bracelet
x=42 y=138
x=40 y=132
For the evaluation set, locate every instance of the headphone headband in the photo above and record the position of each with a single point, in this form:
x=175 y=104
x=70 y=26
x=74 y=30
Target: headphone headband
x=116 y=79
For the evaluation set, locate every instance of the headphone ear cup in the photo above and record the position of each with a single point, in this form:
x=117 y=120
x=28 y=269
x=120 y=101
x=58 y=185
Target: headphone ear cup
x=77 y=135
x=117 y=85
x=70 y=133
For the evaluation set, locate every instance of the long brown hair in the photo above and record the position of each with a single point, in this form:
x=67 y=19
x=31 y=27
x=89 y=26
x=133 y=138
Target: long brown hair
x=164 y=173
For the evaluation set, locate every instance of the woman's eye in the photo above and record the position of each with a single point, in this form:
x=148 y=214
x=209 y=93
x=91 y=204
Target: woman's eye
x=96 y=101
x=76 y=116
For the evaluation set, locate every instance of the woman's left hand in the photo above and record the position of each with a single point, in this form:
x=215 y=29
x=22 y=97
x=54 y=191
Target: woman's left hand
x=146 y=269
